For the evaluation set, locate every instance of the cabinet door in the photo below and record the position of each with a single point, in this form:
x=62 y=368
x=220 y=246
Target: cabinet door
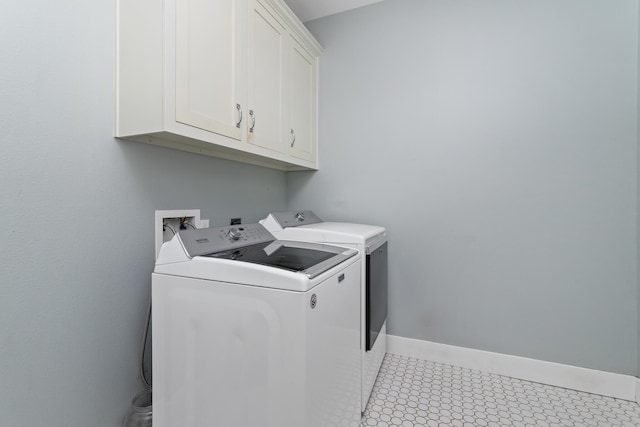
x=209 y=70
x=302 y=103
x=266 y=60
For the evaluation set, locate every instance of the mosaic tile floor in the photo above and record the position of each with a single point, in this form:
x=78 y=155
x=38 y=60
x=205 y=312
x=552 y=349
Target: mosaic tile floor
x=417 y=393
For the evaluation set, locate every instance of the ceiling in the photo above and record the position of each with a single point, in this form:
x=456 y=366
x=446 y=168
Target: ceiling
x=307 y=10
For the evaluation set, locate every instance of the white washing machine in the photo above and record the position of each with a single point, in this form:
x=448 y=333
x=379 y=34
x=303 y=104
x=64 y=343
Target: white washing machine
x=371 y=242
x=251 y=331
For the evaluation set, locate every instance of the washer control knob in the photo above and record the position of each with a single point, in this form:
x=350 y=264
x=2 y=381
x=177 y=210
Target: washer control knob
x=234 y=234
x=300 y=216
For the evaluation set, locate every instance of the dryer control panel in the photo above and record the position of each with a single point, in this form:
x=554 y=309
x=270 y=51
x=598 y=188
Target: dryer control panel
x=293 y=218
x=206 y=241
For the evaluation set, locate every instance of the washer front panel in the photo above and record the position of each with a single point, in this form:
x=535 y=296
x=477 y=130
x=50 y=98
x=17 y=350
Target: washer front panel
x=226 y=354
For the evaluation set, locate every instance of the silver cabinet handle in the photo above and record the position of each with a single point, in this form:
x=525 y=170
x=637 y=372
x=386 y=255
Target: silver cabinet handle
x=253 y=120
x=293 y=138
x=239 y=108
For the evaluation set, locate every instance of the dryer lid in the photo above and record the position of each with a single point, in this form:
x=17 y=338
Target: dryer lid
x=310 y=228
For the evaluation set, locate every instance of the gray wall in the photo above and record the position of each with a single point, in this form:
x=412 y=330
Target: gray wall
x=497 y=142
x=509 y=128
x=77 y=211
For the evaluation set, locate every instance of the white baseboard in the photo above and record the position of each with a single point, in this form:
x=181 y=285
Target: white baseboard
x=572 y=377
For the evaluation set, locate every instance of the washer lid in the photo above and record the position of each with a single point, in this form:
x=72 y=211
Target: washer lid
x=307 y=258
x=249 y=254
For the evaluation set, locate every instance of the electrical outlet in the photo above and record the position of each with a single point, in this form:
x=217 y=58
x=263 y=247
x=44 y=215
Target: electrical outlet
x=172 y=221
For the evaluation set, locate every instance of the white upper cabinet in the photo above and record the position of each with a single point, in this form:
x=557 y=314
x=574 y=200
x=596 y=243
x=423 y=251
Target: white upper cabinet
x=301 y=95
x=267 y=37
x=228 y=78
x=210 y=75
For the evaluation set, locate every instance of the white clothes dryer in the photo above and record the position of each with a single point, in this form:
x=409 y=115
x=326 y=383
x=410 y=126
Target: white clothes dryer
x=371 y=242
x=252 y=331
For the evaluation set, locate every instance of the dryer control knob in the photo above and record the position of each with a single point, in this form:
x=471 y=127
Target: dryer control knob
x=234 y=234
x=300 y=216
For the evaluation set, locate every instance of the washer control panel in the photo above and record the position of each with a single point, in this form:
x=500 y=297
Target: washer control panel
x=206 y=241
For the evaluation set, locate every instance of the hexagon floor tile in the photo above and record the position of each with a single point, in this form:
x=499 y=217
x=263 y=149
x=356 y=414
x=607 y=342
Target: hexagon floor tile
x=417 y=393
